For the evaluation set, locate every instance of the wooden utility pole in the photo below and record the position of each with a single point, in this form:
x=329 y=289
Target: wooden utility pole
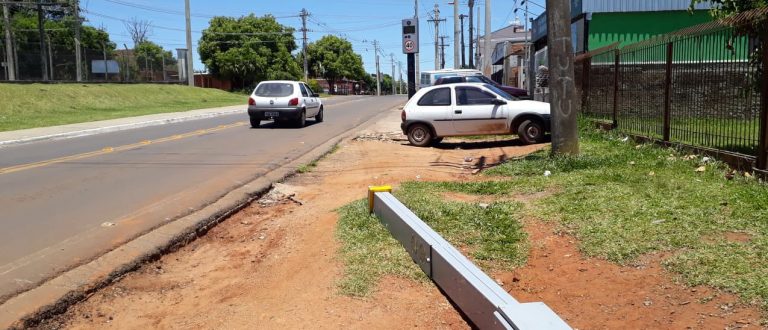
x=9 y=58
x=562 y=88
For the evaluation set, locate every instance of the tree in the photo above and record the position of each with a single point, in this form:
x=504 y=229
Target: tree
x=151 y=56
x=139 y=30
x=333 y=58
x=725 y=8
x=249 y=49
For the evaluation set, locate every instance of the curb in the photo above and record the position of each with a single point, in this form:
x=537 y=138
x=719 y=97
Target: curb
x=53 y=297
x=116 y=128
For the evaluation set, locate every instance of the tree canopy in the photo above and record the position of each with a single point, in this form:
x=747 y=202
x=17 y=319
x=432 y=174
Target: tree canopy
x=249 y=49
x=724 y=8
x=333 y=58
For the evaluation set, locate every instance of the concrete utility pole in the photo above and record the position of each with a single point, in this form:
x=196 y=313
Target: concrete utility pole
x=78 y=55
x=400 y=81
x=50 y=58
x=378 y=72
x=442 y=51
x=455 y=34
x=437 y=20
x=471 y=34
x=392 y=58
x=487 y=40
x=9 y=58
x=416 y=56
x=190 y=66
x=41 y=31
x=463 y=62
x=304 y=15
x=478 y=65
x=562 y=88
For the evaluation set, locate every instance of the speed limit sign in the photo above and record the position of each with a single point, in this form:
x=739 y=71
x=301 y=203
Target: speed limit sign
x=410 y=36
x=409 y=44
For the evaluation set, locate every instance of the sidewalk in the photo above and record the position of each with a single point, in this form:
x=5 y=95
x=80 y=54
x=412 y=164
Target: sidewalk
x=112 y=125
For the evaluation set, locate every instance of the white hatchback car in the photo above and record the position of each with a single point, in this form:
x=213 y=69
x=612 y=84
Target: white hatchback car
x=471 y=109
x=282 y=101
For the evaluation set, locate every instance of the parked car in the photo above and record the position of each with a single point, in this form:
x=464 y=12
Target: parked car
x=284 y=101
x=472 y=109
x=514 y=91
x=428 y=78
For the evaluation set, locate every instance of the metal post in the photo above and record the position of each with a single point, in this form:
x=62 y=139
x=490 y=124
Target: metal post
x=565 y=134
x=190 y=67
x=78 y=55
x=41 y=30
x=463 y=62
x=378 y=72
x=165 y=77
x=9 y=58
x=392 y=58
x=762 y=148
x=471 y=34
x=400 y=81
x=50 y=57
x=411 y=75
x=586 y=67
x=128 y=64
x=667 y=94
x=616 y=64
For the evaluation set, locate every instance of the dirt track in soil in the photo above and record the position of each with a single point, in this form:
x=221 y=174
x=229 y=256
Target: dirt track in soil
x=274 y=264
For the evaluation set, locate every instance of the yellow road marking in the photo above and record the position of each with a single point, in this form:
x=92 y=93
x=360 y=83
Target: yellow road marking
x=107 y=150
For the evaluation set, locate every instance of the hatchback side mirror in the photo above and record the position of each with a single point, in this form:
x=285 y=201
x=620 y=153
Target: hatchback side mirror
x=315 y=95
x=499 y=102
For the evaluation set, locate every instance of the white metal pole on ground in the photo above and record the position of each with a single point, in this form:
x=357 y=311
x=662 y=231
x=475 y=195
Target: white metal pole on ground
x=190 y=67
x=487 y=49
x=456 y=32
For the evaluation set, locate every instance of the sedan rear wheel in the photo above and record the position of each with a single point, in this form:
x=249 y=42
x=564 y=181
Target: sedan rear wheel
x=255 y=122
x=419 y=135
x=531 y=131
x=319 y=115
x=302 y=121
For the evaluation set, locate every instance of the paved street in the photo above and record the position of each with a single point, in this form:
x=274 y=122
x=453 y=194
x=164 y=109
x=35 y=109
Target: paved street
x=66 y=202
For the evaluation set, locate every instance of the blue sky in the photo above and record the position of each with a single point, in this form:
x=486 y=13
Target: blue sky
x=359 y=21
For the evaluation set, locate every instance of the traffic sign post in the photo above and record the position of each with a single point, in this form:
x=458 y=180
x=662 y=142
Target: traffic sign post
x=411 y=47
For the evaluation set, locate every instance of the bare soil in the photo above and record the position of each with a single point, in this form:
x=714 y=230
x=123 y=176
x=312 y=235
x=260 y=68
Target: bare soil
x=274 y=264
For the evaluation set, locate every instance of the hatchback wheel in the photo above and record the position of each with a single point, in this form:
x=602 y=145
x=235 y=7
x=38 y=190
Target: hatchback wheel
x=419 y=135
x=302 y=121
x=319 y=115
x=531 y=131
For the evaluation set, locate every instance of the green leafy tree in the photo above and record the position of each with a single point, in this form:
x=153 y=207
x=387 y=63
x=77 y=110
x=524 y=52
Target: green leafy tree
x=151 y=55
x=249 y=49
x=333 y=58
x=725 y=8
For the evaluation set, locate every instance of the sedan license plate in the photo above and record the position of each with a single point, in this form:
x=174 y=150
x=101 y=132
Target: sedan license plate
x=272 y=114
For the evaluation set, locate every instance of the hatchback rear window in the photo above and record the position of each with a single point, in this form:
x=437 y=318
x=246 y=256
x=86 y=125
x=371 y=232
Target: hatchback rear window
x=274 y=89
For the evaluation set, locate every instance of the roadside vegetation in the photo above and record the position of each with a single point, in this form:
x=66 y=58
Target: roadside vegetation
x=40 y=105
x=622 y=201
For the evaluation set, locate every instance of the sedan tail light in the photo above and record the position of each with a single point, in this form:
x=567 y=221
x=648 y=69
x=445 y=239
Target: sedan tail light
x=251 y=101
x=402 y=115
x=294 y=101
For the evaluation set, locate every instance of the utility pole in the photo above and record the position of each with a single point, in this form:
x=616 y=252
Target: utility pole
x=378 y=72
x=442 y=51
x=416 y=55
x=50 y=57
x=9 y=58
x=78 y=55
x=106 y=67
x=41 y=31
x=190 y=67
x=304 y=15
x=486 y=68
x=437 y=20
x=471 y=34
x=165 y=77
x=392 y=58
x=565 y=135
x=478 y=65
x=455 y=34
x=128 y=64
x=400 y=81
x=463 y=62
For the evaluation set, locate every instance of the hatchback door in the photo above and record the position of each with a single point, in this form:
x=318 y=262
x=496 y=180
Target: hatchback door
x=435 y=107
x=476 y=112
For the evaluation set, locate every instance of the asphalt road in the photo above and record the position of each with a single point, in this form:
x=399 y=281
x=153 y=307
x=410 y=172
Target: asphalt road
x=66 y=202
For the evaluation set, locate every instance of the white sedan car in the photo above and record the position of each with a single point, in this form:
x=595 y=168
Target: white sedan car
x=284 y=101
x=471 y=109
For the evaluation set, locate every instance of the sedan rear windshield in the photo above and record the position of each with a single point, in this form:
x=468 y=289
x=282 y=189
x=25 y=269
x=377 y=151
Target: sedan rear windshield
x=274 y=89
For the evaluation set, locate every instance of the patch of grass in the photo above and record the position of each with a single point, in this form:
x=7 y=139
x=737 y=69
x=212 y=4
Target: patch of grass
x=624 y=200
x=306 y=168
x=40 y=105
x=492 y=235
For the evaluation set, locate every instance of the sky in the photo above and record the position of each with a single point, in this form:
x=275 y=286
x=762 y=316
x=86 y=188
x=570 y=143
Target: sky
x=359 y=21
